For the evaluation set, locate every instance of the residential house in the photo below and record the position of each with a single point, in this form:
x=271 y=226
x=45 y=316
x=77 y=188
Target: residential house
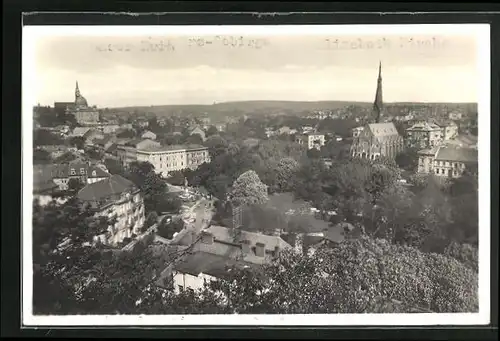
x=221 y=126
x=423 y=135
x=56 y=151
x=219 y=248
x=79 y=131
x=108 y=128
x=199 y=131
x=426 y=160
x=376 y=140
x=148 y=135
x=357 y=131
x=449 y=129
x=115 y=197
x=166 y=159
x=447 y=162
x=92 y=135
x=465 y=141
x=127 y=152
x=285 y=130
x=311 y=140
x=455 y=115
x=105 y=142
x=60 y=174
x=142 y=123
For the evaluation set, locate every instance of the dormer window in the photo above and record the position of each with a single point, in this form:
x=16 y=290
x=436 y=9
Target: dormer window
x=94 y=173
x=72 y=172
x=82 y=171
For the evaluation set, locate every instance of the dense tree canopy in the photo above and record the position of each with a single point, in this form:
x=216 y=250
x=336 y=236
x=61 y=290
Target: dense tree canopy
x=46 y=138
x=248 y=189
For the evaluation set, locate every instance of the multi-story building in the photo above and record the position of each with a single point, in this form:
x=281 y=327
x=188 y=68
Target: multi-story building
x=447 y=162
x=115 y=197
x=424 y=135
x=449 y=129
x=60 y=174
x=376 y=140
x=127 y=152
x=426 y=160
x=167 y=159
x=312 y=140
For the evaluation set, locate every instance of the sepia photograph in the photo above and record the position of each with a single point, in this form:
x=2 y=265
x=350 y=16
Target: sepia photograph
x=256 y=175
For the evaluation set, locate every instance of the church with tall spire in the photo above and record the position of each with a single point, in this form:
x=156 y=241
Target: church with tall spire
x=377 y=139
x=84 y=114
x=378 y=105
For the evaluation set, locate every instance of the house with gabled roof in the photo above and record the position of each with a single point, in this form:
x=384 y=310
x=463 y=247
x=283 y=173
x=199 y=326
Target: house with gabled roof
x=217 y=250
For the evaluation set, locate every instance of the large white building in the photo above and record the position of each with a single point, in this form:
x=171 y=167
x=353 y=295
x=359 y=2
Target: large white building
x=167 y=159
x=312 y=140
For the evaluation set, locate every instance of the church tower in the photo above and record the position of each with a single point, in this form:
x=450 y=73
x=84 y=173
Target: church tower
x=378 y=105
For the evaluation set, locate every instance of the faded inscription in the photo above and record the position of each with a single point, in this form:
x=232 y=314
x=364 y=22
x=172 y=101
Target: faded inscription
x=166 y=45
x=385 y=43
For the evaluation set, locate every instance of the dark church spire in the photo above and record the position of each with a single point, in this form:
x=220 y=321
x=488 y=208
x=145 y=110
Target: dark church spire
x=77 y=91
x=378 y=104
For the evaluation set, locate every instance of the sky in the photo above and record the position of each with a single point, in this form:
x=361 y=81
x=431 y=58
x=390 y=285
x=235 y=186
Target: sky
x=118 y=70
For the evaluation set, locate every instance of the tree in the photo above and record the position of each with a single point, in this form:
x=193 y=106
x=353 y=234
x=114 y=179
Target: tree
x=75 y=184
x=46 y=138
x=151 y=219
x=126 y=134
x=41 y=156
x=167 y=229
x=77 y=141
x=216 y=145
x=408 y=159
x=114 y=166
x=248 y=189
x=212 y=130
x=313 y=153
x=194 y=139
x=359 y=276
x=285 y=170
x=176 y=178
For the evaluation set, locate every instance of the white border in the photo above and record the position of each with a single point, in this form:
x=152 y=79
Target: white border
x=480 y=31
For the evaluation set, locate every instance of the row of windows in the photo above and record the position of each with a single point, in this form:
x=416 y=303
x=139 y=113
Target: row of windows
x=448 y=164
x=443 y=171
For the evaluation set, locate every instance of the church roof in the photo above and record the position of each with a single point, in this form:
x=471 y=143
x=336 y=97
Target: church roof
x=383 y=129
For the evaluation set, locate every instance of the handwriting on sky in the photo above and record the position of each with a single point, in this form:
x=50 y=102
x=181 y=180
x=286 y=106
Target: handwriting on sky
x=385 y=43
x=166 y=45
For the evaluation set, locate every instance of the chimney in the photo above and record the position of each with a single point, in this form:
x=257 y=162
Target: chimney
x=207 y=238
x=259 y=250
x=245 y=247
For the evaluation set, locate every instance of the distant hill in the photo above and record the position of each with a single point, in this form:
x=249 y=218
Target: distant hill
x=265 y=107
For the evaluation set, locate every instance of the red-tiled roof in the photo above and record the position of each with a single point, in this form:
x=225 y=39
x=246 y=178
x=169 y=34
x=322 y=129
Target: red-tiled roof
x=114 y=185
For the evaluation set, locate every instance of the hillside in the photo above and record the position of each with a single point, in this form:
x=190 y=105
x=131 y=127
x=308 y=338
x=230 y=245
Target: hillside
x=266 y=107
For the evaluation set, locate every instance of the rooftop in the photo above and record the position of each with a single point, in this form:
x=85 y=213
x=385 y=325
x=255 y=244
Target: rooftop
x=178 y=147
x=383 y=129
x=209 y=264
x=114 y=185
x=456 y=154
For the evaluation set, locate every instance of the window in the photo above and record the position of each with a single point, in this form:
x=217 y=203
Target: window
x=437 y=171
x=72 y=172
x=442 y=171
x=181 y=288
